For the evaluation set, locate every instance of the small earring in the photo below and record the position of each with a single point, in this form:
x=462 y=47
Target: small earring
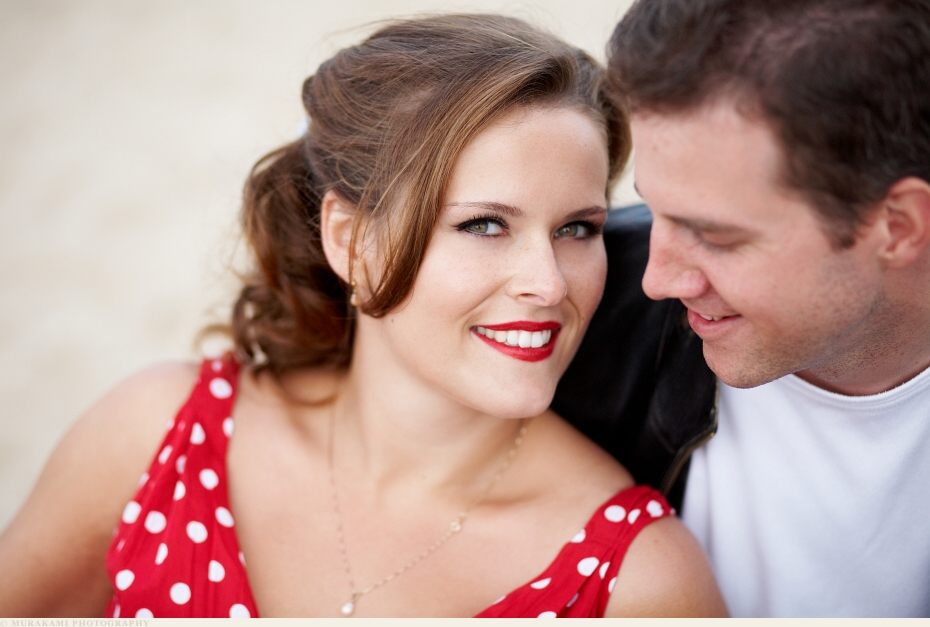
x=353 y=298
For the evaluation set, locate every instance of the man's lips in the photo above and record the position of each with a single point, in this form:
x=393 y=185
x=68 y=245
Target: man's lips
x=710 y=327
x=524 y=340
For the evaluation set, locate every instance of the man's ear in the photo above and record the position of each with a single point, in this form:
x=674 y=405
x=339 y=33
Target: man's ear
x=337 y=219
x=906 y=216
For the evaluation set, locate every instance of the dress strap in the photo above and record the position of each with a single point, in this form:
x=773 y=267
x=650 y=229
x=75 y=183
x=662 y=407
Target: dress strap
x=211 y=402
x=615 y=525
x=579 y=581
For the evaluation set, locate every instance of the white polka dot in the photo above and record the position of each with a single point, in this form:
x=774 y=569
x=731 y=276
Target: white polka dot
x=120 y=545
x=614 y=513
x=224 y=517
x=196 y=531
x=155 y=522
x=161 y=554
x=209 y=479
x=217 y=365
x=603 y=571
x=164 y=455
x=220 y=388
x=542 y=583
x=131 y=512
x=610 y=586
x=239 y=611
x=588 y=565
x=573 y=600
x=216 y=572
x=124 y=579
x=180 y=593
x=228 y=427
x=116 y=611
x=242 y=558
x=547 y=615
x=499 y=599
x=579 y=537
x=634 y=515
x=180 y=463
x=144 y=613
x=198 y=435
x=179 y=491
x=654 y=508
x=143 y=479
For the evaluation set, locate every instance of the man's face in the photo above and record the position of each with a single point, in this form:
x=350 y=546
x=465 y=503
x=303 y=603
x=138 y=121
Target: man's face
x=764 y=288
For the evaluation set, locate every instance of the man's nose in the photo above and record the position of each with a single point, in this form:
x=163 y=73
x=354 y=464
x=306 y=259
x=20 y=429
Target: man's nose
x=670 y=271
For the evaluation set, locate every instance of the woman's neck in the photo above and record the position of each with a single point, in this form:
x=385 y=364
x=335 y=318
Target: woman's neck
x=397 y=433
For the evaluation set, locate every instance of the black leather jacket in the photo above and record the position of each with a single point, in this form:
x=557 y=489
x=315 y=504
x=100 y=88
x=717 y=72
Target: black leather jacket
x=639 y=385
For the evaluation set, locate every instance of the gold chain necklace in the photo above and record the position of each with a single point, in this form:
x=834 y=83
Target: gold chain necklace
x=457 y=524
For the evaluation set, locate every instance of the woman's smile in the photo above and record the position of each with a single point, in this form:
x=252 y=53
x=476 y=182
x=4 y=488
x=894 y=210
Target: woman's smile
x=523 y=340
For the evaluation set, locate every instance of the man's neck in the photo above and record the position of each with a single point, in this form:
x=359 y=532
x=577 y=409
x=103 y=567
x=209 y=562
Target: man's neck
x=881 y=374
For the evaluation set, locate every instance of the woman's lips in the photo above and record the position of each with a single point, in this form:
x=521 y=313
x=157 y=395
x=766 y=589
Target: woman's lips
x=523 y=340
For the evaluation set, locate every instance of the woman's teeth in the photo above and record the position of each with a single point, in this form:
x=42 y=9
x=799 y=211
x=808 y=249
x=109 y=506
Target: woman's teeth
x=522 y=339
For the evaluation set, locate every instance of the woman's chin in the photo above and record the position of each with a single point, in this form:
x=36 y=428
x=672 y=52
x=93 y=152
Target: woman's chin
x=524 y=406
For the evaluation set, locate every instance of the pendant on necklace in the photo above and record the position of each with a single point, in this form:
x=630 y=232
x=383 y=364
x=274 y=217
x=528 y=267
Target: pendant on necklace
x=347 y=608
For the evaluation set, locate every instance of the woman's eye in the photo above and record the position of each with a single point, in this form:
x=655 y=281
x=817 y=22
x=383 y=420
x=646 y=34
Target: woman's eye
x=482 y=226
x=576 y=230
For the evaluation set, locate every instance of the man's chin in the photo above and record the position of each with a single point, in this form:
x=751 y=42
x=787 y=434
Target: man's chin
x=740 y=371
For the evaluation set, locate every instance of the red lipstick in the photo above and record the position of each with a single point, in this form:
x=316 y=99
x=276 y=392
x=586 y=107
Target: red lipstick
x=523 y=353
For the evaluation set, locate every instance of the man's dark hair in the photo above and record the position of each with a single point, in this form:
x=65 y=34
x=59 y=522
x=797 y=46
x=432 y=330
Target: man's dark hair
x=844 y=85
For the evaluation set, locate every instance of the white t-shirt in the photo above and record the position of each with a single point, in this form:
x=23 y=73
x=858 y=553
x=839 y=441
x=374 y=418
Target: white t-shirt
x=810 y=503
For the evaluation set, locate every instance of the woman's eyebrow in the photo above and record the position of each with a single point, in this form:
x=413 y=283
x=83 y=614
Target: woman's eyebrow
x=516 y=212
x=499 y=207
x=587 y=212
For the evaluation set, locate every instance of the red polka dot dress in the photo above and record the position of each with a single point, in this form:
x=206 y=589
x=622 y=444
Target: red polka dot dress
x=175 y=553
x=579 y=581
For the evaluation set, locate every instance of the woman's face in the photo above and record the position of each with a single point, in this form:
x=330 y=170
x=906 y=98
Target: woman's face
x=514 y=269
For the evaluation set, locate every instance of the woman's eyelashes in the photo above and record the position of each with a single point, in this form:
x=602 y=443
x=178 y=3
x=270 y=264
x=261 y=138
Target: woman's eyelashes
x=485 y=226
x=580 y=229
x=495 y=226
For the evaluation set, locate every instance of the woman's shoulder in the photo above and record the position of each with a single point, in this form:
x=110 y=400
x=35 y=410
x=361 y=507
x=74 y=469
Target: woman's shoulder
x=664 y=570
x=123 y=428
x=665 y=573
x=572 y=458
x=154 y=385
x=143 y=403
x=60 y=535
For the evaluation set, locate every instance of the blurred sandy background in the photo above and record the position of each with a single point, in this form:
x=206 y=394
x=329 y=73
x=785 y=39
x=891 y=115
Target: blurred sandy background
x=127 y=129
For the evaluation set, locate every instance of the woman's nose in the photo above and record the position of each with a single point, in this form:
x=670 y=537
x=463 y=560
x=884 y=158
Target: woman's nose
x=538 y=277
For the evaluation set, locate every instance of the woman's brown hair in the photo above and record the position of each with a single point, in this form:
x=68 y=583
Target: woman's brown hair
x=388 y=119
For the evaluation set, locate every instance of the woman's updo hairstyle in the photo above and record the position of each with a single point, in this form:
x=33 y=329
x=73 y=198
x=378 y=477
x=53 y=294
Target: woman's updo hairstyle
x=388 y=119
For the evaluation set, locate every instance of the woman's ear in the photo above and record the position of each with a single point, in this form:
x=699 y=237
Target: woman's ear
x=337 y=220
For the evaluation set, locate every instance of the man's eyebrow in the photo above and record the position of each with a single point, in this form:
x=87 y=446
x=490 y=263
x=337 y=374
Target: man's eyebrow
x=702 y=225
x=708 y=226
